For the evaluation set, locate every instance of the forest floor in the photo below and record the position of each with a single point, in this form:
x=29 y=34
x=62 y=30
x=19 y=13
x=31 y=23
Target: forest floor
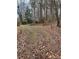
x=38 y=42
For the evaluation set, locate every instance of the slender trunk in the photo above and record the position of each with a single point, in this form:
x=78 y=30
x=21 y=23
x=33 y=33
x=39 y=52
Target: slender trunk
x=58 y=21
x=38 y=14
x=20 y=16
x=51 y=3
x=46 y=10
x=56 y=14
x=34 y=16
x=40 y=10
x=46 y=13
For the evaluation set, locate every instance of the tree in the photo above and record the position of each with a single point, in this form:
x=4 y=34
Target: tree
x=46 y=8
x=28 y=15
x=21 y=10
x=40 y=7
x=51 y=12
x=33 y=5
x=20 y=15
x=56 y=7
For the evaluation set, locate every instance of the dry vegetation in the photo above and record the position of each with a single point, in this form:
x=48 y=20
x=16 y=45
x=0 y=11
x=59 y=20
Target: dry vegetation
x=38 y=42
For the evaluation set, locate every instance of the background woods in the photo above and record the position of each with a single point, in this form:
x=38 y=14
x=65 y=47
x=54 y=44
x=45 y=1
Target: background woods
x=39 y=11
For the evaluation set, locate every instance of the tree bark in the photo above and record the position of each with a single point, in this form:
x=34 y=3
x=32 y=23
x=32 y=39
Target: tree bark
x=40 y=10
x=56 y=13
x=46 y=10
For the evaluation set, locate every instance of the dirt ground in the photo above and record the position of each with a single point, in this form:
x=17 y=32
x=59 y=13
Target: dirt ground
x=38 y=42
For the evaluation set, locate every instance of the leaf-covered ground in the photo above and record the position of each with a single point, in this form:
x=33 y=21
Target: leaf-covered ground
x=38 y=42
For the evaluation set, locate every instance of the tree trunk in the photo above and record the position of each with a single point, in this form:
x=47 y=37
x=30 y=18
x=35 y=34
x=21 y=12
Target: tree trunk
x=34 y=16
x=58 y=20
x=40 y=10
x=46 y=10
x=51 y=13
x=56 y=13
x=20 y=16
